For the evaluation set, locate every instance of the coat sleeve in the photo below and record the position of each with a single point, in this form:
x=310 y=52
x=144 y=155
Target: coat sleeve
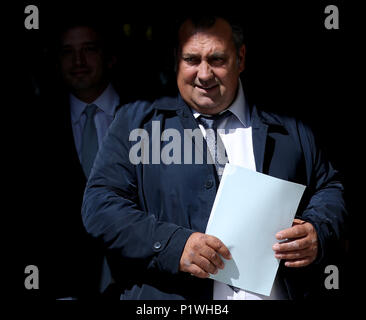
x=326 y=208
x=112 y=211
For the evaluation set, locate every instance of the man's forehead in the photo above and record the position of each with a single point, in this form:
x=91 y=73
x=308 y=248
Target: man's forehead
x=79 y=35
x=197 y=49
x=220 y=30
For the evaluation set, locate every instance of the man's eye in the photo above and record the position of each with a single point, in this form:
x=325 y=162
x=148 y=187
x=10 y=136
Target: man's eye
x=191 y=60
x=217 y=61
x=91 y=49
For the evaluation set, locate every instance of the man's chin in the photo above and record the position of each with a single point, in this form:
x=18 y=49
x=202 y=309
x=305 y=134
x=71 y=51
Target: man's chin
x=80 y=85
x=205 y=102
x=207 y=108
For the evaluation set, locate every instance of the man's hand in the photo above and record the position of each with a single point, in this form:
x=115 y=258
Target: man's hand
x=301 y=248
x=201 y=255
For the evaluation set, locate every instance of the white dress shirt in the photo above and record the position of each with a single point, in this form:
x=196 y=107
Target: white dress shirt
x=236 y=134
x=106 y=103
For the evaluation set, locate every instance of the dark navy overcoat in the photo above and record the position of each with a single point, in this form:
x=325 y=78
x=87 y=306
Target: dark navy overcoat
x=143 y=213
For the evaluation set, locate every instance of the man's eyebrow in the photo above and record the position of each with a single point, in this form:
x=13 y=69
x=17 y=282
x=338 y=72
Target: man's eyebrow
x=217 y=55
x=190 y=55
x=86 y=43
x=214 y=55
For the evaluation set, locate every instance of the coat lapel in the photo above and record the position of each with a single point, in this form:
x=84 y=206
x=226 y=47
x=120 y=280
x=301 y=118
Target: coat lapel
x=188 y=122
x=262 y=124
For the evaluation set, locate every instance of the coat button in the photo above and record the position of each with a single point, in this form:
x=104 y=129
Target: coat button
x=157 y=245
x=209 y=184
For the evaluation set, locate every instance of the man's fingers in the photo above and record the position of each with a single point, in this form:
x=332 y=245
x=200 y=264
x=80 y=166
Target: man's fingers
x=191 y=258
x=299 y=263
x=296 y=231
x=196 y=271
x=294 y=255
x=188 y=266
x=211 y=255
x=293 y=245
x=205 y=265
x=201 y=255
x=218 y=246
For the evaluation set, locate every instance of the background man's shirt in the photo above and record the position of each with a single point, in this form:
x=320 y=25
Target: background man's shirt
x=106 y=103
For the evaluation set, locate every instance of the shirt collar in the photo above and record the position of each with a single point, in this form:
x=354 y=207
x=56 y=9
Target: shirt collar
x=107 y=101
x=239 y=107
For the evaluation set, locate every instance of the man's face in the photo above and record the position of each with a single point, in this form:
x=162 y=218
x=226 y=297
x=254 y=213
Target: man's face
x=82 y=60
x=208 y=67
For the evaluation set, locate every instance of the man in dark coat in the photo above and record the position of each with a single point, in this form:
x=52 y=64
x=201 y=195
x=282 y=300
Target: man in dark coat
x=149 y=209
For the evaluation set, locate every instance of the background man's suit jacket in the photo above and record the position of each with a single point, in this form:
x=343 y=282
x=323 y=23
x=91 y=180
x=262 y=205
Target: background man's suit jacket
x=69 y=259
x=76 y=258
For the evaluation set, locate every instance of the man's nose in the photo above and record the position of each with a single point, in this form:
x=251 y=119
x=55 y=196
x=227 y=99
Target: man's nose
x=79 y=58
x=205 y=73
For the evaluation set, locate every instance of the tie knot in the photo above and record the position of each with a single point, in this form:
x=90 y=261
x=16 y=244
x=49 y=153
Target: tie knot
x=210 y=121
x=90 y=110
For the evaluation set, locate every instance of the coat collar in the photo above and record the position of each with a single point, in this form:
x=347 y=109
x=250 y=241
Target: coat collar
x=169 y=103
x=262 y=122
x=262 y=118
x=258 y=118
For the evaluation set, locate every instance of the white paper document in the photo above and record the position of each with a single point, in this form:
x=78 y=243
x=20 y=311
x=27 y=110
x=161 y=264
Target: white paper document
x=249 y=209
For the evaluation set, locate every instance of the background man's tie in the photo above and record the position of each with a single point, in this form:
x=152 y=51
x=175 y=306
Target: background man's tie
x=214 y=142
x=89 y=145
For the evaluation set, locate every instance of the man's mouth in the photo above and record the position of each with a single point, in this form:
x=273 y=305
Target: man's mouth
x=207 y=88
x=77 y=73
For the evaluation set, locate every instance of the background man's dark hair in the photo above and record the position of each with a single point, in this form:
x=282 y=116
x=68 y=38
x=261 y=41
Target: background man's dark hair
x=105 y=34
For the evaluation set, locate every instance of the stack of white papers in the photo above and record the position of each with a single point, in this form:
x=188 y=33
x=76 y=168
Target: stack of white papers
x=249 y=209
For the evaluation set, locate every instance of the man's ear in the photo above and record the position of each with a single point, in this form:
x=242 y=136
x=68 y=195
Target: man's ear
x=241 y=57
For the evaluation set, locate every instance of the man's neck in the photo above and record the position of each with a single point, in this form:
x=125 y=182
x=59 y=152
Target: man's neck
x=91 y=94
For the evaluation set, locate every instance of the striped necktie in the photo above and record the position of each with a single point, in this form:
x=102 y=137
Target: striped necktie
x=213 y=140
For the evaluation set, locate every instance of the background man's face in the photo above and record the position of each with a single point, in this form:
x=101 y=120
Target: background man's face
x=208 y=70
x=82 y=60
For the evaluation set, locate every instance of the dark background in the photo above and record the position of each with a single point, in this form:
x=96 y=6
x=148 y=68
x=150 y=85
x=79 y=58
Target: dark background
x=294 y=66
